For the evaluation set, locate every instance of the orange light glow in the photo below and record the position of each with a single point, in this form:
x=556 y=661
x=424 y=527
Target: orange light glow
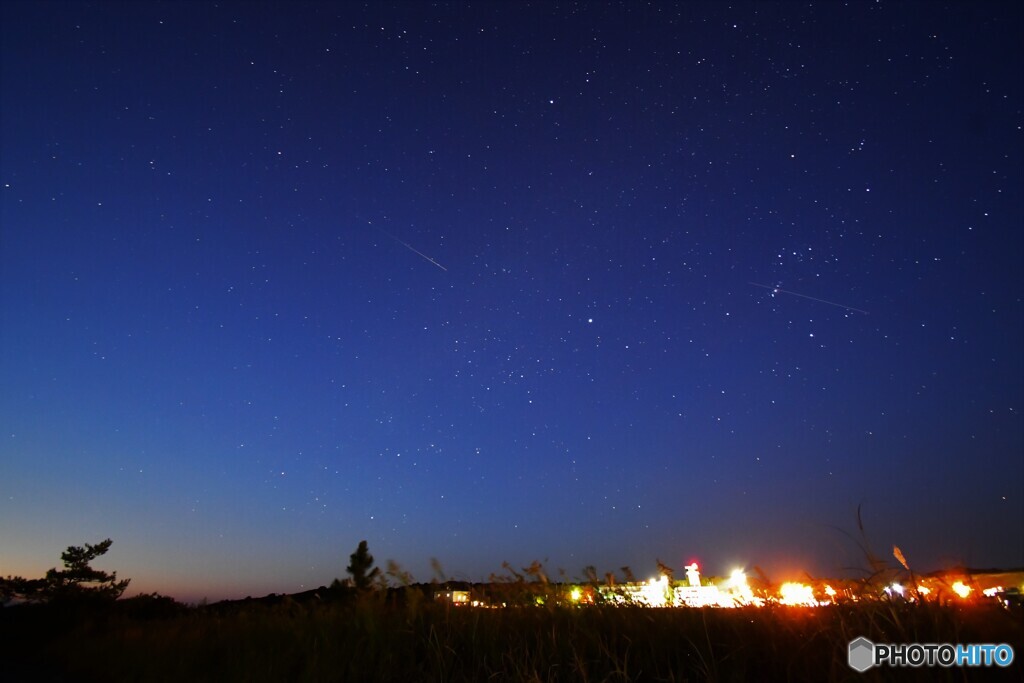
x=797 y=594
x=961 y=589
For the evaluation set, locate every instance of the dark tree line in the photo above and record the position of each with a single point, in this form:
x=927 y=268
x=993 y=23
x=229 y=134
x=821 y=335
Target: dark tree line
x=78 y=581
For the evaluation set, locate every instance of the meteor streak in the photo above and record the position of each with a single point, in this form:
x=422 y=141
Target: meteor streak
x=412 y=249
x=779 y=290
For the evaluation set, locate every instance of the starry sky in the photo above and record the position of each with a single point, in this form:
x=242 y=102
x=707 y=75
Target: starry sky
x=586 y=283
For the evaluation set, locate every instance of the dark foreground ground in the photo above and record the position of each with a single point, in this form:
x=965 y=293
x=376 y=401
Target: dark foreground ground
x=374 y=637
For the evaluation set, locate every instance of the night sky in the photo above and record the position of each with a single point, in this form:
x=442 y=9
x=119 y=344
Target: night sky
x=590 y=283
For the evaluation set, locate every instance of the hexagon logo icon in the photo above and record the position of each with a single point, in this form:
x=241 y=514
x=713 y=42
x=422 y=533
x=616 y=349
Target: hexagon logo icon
x=862 y=654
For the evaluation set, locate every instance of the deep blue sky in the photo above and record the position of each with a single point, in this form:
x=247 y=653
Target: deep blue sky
x=473 y=282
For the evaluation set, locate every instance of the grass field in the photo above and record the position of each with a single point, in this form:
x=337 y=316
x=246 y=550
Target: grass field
x=401 y=635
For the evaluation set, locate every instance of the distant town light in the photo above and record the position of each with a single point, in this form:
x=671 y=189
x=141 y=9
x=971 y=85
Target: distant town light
x=796 y=594
x=693 y=574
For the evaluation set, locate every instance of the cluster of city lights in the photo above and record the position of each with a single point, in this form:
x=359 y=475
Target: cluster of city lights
x=735 y=591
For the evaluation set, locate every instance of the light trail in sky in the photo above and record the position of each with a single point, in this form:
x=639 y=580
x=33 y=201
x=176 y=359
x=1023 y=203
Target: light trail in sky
x=412 y=249
x=779 y=290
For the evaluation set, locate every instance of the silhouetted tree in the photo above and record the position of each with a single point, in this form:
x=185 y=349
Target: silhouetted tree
x=76 y=581
x=361 y=567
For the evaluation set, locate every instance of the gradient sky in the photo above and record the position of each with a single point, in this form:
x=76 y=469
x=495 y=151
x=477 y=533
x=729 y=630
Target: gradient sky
x=591 y=283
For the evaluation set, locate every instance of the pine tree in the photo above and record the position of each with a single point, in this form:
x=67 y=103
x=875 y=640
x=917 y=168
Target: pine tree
x=361 y=567
x=77 y=581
